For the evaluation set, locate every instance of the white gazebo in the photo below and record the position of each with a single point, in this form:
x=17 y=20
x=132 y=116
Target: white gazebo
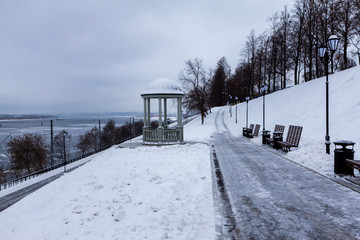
x=162 y=90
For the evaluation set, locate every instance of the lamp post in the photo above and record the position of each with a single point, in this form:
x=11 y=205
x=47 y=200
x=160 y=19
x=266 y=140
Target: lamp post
x=263 y=90
x=230 y=102
x=132 y=127
x=236 y=99
x=265 y=133
x=99 y=146
x=247 y=107
x=358 y=47
x=64 y=151
x=51 y=143
x=333 y=42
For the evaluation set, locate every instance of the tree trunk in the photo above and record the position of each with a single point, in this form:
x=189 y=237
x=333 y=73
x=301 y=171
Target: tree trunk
x=345 y=52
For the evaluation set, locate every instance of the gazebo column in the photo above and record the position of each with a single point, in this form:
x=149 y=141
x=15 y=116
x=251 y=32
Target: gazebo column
x=145 y=115
x=179 y=112
x=160 y=113
x=165 y=112
x=180 y=125
x=148 y=113
x=160 y=128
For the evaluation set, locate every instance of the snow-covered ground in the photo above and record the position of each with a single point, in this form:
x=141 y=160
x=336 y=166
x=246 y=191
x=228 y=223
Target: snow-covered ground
x=304 y=105
x=165 y=192
x=44 y=176
x=142 y=193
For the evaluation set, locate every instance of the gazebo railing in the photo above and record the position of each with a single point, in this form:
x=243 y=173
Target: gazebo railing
x=171 y=135
x=150 y=135
x=162 y=136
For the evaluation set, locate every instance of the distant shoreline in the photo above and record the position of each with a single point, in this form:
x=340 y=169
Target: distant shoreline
x=25 y=116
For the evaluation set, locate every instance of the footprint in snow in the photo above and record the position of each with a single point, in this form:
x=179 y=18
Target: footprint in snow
x=119 y=215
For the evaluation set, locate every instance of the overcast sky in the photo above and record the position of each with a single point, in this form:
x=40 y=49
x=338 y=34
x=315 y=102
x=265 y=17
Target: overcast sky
x=65 y=56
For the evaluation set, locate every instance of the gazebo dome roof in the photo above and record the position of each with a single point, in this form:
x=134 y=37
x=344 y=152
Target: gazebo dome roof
x=163 y=86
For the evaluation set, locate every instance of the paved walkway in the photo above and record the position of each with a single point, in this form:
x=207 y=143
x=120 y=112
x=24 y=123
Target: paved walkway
x=10 y=199
x=274 y=198
x=14 y=197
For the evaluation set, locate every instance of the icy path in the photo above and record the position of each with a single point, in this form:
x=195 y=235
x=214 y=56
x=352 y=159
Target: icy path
x=274 y=198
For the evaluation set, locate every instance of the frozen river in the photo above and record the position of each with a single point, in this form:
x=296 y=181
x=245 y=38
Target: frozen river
x=75 y=125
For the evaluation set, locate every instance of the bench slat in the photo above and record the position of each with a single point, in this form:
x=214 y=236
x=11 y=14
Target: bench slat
x=279 y=128
x=353 y=163
x=256 y=131
x=292 y=138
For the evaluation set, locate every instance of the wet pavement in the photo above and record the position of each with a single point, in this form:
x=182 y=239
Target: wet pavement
x=274 y=198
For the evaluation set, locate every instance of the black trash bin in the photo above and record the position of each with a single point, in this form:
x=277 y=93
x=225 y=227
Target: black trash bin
x=265 y=134
x=245 y=131
x=340 y=154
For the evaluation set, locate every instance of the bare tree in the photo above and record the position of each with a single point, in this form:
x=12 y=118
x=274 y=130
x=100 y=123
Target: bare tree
x=108 y=133
x=284 y=30
x=196 y=83
x=292 y=42
x=346 y=25
x=59 y=148
x=249 y=53
x=89 y=141
x=84 y=144
x=297 y=37
x=3 y=175
x=274 y=50
x=27 y=153
x=356 y=43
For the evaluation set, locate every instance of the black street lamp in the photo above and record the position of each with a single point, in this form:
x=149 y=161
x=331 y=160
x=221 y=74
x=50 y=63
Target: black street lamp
x=358 y=47
x=236 y=99
x=265 y=133
x=263 y=90
x=333 y=42
x=230 y=100
x=247 y=107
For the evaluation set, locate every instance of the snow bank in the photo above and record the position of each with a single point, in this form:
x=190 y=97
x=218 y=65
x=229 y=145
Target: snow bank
x=195 y=131
x=143 y=193
x=304 y=105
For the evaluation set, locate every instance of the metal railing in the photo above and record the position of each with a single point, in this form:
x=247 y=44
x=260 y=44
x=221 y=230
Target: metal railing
x=21 y=179
x=27 y=177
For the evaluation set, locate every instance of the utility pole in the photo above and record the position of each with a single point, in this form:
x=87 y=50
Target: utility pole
x=133 y=126
x=99 y=135
x=52 y=142
x=64 y=152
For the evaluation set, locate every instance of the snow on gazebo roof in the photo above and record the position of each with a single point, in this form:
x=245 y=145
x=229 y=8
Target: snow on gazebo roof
x=163 y=86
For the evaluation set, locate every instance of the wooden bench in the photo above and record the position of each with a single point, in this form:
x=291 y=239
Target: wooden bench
x=256 y=131
x=292 y=138
x=249 y=130
x=353 y=163
x=277 y=129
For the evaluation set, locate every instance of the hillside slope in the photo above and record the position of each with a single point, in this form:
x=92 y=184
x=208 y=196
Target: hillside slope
x=304 y=105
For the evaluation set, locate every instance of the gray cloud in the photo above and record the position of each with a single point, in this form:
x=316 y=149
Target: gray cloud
x=96 y=56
